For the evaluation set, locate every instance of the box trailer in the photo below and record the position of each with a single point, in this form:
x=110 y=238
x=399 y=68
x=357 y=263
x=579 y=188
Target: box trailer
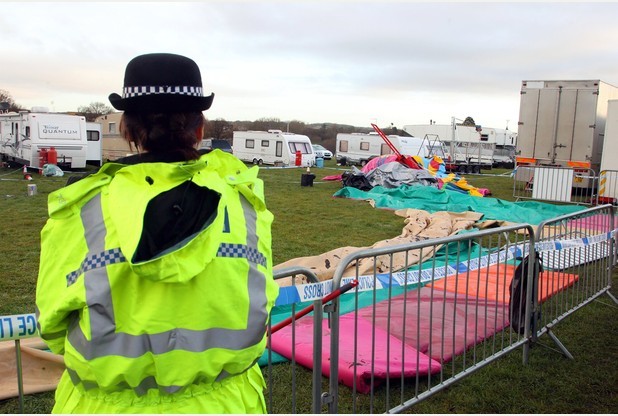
x=360 y=148
x=273 y=147
x=27 y=137
x=608 y=176
x=562 y=123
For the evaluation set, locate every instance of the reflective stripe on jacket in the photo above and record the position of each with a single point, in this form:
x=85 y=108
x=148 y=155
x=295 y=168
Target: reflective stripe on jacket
x=195 y=313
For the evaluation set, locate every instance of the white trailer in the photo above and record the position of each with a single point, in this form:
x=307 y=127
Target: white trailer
x=608 y=175
x=562 y=123
x=360 y=148
x=25 y=136
x=470 y=147
x=272 y=147
x=94 y=153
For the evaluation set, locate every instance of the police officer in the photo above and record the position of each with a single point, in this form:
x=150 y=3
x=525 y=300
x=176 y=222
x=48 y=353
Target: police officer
x=155 y=279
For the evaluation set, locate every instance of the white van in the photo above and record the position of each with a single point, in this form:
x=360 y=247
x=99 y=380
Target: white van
x=272 y=147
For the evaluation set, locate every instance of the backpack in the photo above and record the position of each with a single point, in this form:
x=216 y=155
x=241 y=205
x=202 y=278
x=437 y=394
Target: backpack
x=518 y=293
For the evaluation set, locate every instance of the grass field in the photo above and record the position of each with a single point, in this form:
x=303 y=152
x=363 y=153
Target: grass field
x=309 y=221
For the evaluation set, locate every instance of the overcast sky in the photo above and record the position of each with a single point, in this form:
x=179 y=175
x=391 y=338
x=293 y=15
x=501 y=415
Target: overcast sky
x=352 y=62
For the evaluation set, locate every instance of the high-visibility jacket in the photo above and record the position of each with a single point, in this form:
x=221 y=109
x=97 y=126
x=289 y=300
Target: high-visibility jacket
x=192 y=317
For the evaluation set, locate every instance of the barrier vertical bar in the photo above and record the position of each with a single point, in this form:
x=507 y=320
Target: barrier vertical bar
x=20 y=380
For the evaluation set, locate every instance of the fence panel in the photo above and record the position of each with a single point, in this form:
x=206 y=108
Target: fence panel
x=291 y=388
x=555 y=184
x=402 y=336
x=577 y=252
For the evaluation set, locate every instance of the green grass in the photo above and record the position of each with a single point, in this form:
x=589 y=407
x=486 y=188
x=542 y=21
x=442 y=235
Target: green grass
x=309 y=221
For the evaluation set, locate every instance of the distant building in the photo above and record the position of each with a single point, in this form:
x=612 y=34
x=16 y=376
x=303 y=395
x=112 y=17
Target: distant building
x=114 y=146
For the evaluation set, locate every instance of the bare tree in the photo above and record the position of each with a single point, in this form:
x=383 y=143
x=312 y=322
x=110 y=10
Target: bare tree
x=218 y=129
x=469 y=121
x=11 y=105
x=94 y=110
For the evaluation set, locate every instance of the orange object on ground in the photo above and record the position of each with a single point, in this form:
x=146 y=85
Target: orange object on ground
x=493 y=282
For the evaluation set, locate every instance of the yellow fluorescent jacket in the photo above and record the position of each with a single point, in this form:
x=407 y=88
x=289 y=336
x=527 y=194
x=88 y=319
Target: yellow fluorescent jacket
x=194 y=314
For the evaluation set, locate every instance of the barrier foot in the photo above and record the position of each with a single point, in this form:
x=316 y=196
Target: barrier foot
x=612 y=297
x=559 y=344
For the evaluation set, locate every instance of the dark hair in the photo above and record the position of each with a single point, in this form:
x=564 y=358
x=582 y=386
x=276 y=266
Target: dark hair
x=163 y=133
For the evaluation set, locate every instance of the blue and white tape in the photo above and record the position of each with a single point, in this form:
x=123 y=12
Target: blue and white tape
x=17 y=327
x=314 y=291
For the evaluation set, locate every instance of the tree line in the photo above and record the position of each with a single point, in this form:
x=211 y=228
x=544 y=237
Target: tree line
x=319 y=133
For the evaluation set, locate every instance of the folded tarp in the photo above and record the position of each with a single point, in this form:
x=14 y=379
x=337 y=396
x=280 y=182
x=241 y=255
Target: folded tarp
x=367 y=355
x=433 y=200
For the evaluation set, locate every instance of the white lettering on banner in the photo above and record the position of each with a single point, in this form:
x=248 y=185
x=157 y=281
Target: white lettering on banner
x=313 y=291
x=17 y=326
x=364 y=283
x=59 y=131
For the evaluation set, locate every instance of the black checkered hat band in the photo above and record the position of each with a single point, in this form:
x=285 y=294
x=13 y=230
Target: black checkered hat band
x=129 y=92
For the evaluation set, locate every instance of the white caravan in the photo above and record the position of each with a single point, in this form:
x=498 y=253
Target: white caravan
x=94 y=153
x=360 y=148
x=272 y=147
x=25 y=136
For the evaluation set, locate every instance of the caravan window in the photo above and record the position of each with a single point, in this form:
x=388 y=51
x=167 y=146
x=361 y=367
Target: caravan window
x=303 y=147
x=249 y=144
x=112 y=128
x=364 y=146
x=343 y=146
x=265 y=143
x=385 y=150
x=27 y=131
x=92 y=136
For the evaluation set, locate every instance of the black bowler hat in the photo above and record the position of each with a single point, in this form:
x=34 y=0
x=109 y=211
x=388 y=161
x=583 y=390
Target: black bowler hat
x=162 y=83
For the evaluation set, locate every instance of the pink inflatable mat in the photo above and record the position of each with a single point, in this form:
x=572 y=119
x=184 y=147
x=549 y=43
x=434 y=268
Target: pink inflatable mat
x=440 y=324
x=390 y=359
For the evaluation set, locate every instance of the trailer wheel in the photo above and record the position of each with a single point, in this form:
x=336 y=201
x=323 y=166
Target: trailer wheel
x=260 y=162
x=363 y=163
x=255 y=161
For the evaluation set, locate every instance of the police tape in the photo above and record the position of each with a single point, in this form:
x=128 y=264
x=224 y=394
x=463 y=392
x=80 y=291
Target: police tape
x=17 y=327
x=314 y=291
x=14 y=327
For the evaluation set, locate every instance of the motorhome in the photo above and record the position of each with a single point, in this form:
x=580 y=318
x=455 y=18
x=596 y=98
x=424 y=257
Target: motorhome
x=360 y=148
x=273 y=147
x=27 y=136
x=94 y=153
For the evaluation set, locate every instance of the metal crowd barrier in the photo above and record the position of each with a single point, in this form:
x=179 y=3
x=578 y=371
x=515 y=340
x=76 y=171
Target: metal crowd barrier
x=412 y=334
x=419 y=317
x=286 y=381
x=555 y=184
x=579 y=249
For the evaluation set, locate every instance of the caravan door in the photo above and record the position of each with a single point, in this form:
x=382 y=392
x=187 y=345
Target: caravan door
x=94 y=152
